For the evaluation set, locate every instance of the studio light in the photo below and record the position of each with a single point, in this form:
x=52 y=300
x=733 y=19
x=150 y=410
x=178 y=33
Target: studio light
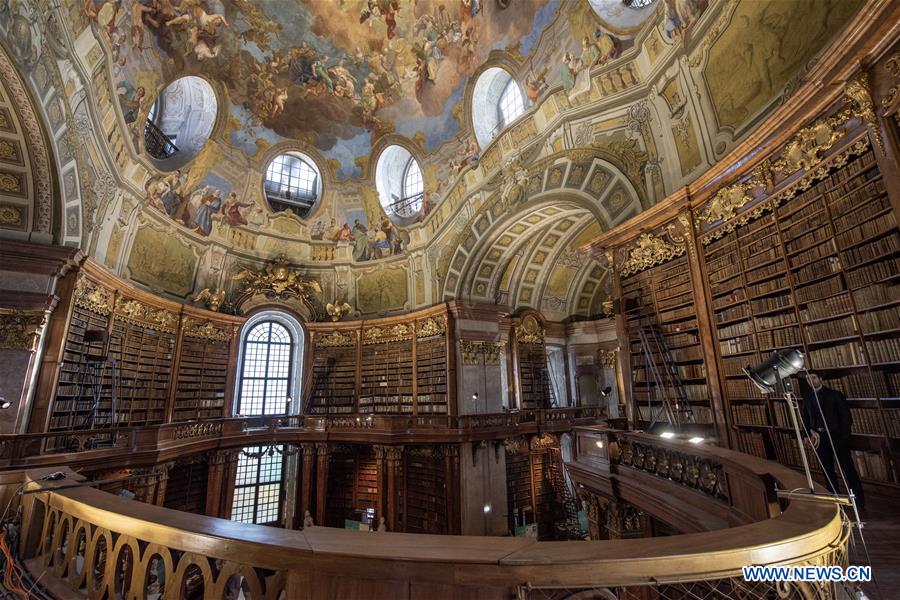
x=4 y=403
x=605 y=391
x=475 y=396
x=599 y=443
x=696 y=440
x=487 y=508
x=667 y=435
x=780 y=365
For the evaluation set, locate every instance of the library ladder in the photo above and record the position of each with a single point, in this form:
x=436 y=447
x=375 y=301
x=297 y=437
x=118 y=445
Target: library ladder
x=562 y=489
x=661 y=369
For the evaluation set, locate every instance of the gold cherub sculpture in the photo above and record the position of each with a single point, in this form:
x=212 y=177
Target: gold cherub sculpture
x=214 y=298
x=337 y=311
x=277 y=278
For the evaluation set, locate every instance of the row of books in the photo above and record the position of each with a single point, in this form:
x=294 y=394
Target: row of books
x=874 y=272
x=877 y=294
x=779 y=338
x=866 y=420
x=749 y=414
x=828 y=307
x=884 y=350
x=874 y=249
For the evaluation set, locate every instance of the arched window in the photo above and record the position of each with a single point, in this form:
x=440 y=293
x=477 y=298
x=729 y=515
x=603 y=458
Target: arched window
x=511 y=103
x=497 y=101
x=292 y=183
x=269 y=365
x=413 y=186
x=257 y=488
x=401 y=187
x=179 y=122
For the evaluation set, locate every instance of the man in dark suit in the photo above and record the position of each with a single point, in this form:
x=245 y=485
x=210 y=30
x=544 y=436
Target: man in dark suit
x=825 y=407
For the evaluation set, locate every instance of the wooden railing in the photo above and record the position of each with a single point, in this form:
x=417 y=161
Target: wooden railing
x=103 y=544
x=138 y=445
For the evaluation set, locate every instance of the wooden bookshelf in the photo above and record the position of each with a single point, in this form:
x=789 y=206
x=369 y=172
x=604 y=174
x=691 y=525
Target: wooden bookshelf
x=352 y=484
x=819 y=272
x=662 y=297
x=531 y=363
x=186 y=486
x=173 y=362
x=382 y=366
x=426 y=491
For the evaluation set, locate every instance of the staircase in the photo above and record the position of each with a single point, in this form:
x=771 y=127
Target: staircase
x=565 y=495
x=667 y=385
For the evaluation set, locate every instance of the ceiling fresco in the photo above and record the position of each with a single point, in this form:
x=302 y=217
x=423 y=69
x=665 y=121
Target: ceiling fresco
x=657 y=95
x=333 y=74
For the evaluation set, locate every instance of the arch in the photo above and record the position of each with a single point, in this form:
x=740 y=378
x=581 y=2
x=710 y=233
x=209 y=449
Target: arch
x=400 y=183
x=249 y=581
x=179 y=580
x=293 y=182
x=497 y=101
x=295 y=355
x=144 y=569
x=179 y=122
x=30 y=203
x=78 y=555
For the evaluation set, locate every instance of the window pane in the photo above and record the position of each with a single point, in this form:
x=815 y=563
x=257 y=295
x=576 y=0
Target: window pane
x=266 y=370
x=511 y=103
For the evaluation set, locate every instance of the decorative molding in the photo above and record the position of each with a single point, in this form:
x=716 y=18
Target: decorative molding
x=92 y=296
x=891 y=99
x=607 y=358
x=334 y=339
x=277 y=281
x=529 y=331
x=380 y=335
x=725 y=204
x=136 y=312
x=192 y=430
x=701 y=474
x=431 y=326
x=545 y=440
x=798 y=186
x=492 y=352
x=469 y=352
x=20 y=329
x=650 y=250
x=206 y=330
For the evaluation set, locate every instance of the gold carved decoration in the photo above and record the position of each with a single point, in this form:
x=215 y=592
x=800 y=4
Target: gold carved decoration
x=278 y=281
x=336 y=311
x=334 y=339
x=650 y=250
x=469 y=352
x=492 y=352
x=9 y=183
x=213 y=298
x=607 y=358
x=134 y=311
x=197 y=430
x=7 y=150
x=890 y=102
x=206 y=330
x=725 y=204
x=529 y=331
x=379 y=335
x=93 y=297
x=858 y=91
x=431 y=326
x=798 y=186
x=19 y=329
x=545 y=440
x=10 y=215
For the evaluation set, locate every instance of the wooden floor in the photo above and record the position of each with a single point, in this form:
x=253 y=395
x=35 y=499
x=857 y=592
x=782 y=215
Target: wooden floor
x=882 y=535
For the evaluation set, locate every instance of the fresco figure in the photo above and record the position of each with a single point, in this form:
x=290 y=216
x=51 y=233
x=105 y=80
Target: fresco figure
x=360 y=241
x=209 y=205
x=232 y=210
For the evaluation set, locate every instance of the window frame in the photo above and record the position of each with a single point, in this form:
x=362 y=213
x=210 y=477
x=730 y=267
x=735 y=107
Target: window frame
x=312 y=190
x=420 y=194
x=265 y=378
x=501 y=102
x=247 y=454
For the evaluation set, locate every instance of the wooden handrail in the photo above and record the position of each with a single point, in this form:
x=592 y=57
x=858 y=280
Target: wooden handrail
x=140 y=445
x=310 y=563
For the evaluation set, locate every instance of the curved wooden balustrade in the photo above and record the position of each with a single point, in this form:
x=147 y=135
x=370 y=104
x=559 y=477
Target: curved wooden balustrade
x=141 y=445
x=80 y=536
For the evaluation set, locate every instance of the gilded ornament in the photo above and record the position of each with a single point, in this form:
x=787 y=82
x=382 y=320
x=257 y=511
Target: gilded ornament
x=648 y=251
x=9 y=183
x=469 y=352
x=607 y=358
x=205 y=330
x=334 y=339
x=378 y=335
x=10 y=215
x=278 y=280
x=20 y=329
x=492 y=352
x=725 y=204
x=529 y=331
x=93 y=297
x=7 y=150
x=196 y=430
x=213 y=298
x=858 y=92
x=336 y=311
x=890 y=100
x=432 y=326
